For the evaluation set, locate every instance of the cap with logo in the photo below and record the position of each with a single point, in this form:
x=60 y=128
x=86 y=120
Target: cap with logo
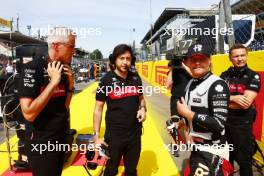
x=198 y=49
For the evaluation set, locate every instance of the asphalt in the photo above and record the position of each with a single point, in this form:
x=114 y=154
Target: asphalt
x=160 y=107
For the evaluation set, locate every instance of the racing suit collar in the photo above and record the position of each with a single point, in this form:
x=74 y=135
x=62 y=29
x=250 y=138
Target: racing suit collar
x=203 y=77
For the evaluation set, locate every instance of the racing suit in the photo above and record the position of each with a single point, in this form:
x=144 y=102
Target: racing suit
x=208 y=98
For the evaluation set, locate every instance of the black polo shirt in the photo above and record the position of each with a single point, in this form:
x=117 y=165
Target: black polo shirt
x=52 y=121
x=122 y=99
x=239 y=80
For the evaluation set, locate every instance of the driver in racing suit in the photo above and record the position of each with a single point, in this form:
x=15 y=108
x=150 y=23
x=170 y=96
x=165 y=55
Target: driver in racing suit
x=205 y=109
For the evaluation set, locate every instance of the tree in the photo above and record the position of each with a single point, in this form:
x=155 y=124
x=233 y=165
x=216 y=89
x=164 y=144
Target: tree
x=96 y=55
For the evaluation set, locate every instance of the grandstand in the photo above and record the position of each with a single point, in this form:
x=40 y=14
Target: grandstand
x=158 y=41
x=248 y=23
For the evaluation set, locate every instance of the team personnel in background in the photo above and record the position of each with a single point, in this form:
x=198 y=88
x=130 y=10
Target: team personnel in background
x=205 y=108
x=244 y=85
x=45 y=96
x=126 y=110
x=95 y=70
x=92 y=71
x=177 y=80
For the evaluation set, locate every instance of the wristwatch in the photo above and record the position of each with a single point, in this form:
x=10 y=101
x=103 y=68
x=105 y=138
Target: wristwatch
x=96 y=133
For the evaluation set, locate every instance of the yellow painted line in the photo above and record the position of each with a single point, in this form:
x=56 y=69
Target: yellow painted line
x=4 y=162
x=154 y=160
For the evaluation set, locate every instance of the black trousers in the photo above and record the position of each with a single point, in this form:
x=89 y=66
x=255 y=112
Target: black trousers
x=47 y=164
x=240 y=135
x=128 y=146
x=204 y=163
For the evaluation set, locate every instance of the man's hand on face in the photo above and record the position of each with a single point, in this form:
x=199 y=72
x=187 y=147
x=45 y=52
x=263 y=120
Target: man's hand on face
x=54 y=71
x=69 y=73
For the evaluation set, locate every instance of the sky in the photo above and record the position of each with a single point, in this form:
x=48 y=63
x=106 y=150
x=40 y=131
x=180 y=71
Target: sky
x=99 y=24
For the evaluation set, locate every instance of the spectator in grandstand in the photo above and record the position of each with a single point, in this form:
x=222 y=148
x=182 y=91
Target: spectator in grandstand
x=95 y=70
x=92 y=71
x=88 y=71
x=103 y=69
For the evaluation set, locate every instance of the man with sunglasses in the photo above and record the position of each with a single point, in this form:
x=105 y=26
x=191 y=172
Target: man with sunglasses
x=45 y=91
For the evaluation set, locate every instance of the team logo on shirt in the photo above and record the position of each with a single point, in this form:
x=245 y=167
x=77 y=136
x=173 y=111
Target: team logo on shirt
x=134 y=78
x=240 y=88
x=202 y=170
x=123 y=92
x=219 y=88
x=202 y=117
x=115 y=80
x=28 y=82
x=27 y=70
x=198 y=48
x=28 y=75
x=197 y=100
x=27 y=59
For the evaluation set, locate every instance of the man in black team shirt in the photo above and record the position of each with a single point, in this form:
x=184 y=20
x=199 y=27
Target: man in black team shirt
x=45 y=95
x=244 y=85
x=205 y=108
x=126 y=110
